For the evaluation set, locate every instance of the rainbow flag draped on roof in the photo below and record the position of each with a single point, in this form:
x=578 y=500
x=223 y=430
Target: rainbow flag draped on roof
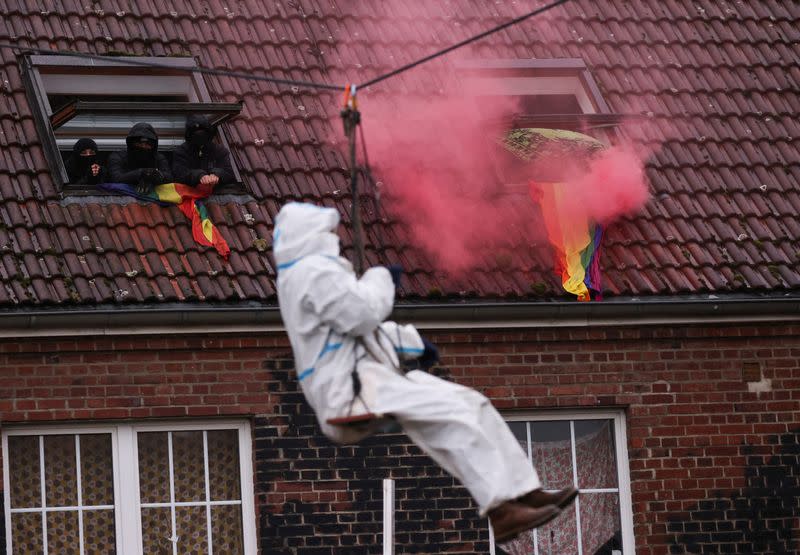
x=576 y=240
x=189 y=200
x=576 y=244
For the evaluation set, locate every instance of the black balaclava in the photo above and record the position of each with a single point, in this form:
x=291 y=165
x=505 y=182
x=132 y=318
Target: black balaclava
x=84 y=163
x=139 y=157
x=199 y=132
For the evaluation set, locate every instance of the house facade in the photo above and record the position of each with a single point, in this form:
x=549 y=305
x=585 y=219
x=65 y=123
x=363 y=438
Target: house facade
x=148 y=402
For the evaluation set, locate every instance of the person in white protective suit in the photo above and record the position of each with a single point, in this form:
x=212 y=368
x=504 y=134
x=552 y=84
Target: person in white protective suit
x=348 y=361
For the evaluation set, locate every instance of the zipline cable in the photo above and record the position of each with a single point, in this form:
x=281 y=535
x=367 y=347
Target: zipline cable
x=140 y=63
x=293 y=82
x=462 y=43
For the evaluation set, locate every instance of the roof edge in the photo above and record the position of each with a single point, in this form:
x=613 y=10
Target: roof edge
x=178 y=318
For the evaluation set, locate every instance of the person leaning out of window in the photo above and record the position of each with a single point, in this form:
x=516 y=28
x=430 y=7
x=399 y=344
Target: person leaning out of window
x=199 y=160
x=140 y=165
x=83 y=166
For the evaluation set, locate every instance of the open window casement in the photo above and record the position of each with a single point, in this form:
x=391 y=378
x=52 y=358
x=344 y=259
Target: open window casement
x=554 y=100
x=99 y=99
x=552 y=94
x=108 y=122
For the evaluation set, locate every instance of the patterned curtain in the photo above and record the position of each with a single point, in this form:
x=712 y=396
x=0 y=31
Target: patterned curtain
x=596 y=469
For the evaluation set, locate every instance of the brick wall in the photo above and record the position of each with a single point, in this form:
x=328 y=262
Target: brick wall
x=714 y=466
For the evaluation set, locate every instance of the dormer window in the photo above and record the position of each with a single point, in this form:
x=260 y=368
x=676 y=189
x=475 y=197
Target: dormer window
x=554 y=94
x=98 y=99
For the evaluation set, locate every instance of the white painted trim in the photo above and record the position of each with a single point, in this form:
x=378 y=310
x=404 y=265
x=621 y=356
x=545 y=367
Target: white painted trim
x=427 y=323
x=65 y=82
x=43 y=485
x=624 y=484
x=6 y=491
x=80 y=490
x=175 y=537
x=533 y=85
x=125 y=456
x=208 y=494
x=577 y=504
x=623 y=469
x=188 y=504
x=130 y=529
x=248 y=491
x=388 y=516
x=71 y=508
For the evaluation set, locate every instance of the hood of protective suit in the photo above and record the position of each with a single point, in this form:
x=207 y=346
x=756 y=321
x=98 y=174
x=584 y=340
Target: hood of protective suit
x=302 y=230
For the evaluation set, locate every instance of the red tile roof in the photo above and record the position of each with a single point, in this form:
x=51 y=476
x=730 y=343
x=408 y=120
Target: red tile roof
x=723 y=76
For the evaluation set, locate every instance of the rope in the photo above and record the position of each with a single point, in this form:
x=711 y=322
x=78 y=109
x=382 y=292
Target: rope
x=276 y=80
x=156 y=65
x=463 y=43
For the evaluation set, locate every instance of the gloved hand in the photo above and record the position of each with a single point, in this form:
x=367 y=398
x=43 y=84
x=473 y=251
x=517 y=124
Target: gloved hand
x=152 y=176
x=144 y=187
x=397 y=272
x=430 y=355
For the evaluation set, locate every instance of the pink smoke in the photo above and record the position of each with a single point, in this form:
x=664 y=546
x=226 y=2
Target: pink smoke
x=434 y=155
x=445 y=182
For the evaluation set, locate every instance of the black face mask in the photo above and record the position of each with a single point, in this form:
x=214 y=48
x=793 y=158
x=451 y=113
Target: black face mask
x=140 y=157
x=86 y=162
x=200 y=138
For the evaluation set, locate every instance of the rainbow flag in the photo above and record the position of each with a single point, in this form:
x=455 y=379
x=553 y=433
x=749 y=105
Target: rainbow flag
x=575 y=240
x=189 y=200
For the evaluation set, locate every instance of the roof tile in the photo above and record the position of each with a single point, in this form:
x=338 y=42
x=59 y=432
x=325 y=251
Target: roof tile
x=723 y=78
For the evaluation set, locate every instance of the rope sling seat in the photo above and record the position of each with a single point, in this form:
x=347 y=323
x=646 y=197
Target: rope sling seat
x=356 y=420
x=378 y=420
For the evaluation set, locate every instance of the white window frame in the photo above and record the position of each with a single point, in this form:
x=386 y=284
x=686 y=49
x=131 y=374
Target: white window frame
x=536 y=76
x=52 y=74
x=127 y=506
x=623 y=468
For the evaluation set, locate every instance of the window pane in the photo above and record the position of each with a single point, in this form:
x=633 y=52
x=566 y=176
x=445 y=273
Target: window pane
x=24 y=472
x=26 y=533
x=552 y=453
x=600 y=523
x=62 y=533
x=223 y=465
x=156 y=530
x=97 y=470
x=99 y=534
x=560 y=536
x=595 y=452
x=521 y=545
x=188 y=466
x=192 y=530
x=60 y=471
x=226 y=525
x=111 y=130
x=153 y=467
x=520 y=431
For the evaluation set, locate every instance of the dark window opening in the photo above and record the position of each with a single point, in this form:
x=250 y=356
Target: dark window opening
x=108 y=99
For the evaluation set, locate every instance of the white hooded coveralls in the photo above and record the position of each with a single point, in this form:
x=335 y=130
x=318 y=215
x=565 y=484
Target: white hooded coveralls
x=335 y=321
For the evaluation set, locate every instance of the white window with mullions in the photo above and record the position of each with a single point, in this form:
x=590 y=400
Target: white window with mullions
x=586 y=450
x=129 y=489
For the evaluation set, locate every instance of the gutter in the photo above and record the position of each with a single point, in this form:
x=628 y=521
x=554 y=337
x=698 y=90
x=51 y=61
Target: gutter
x=176 y=318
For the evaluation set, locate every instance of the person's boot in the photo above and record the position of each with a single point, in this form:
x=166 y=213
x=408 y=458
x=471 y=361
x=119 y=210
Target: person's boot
x=511 y=518
x=540 y=498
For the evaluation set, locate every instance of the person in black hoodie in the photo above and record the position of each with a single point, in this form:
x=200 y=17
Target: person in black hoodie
x=141 y=164
x=200 y=160
x=82 y=165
